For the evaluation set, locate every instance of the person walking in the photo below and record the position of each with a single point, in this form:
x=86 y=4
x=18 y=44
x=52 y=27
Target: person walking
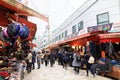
x=76 y=62
x=52 y=58
x=46 y=58
x=89 y=60
x=65 y=60
x=33 y=59
x=29 y=62
x=39 y=60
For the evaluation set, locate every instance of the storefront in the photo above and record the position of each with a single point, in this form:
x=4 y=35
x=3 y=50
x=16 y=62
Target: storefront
x=10 y=64
x=109 y=42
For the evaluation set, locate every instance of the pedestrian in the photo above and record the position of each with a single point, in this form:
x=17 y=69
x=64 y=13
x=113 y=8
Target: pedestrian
x=33 y=59
x=46 y=58
x=65 y=60
x=42 y=57
x=38 y=60
x=89 y=60
x=52 y=58
x=60 y=57
x=29 y=62
x=76 y=63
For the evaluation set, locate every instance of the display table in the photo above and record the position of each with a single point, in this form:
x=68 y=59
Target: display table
x=115 y=72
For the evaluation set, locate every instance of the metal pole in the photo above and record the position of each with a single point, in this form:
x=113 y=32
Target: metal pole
x=48 y=32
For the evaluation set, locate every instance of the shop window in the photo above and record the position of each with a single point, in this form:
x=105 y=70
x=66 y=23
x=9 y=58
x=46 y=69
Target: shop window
x=103 y=18
x=74 y=29
x=66 y=33
x=80 y=25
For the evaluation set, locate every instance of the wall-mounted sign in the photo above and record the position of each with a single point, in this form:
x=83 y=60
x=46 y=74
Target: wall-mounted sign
x=105 y=27
x=115 y=27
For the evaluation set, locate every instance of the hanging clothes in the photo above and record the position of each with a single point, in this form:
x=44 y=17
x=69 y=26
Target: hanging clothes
x=111 y=49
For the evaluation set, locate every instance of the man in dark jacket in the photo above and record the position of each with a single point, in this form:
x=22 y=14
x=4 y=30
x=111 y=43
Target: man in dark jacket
x=33 y=59
x=52 y=58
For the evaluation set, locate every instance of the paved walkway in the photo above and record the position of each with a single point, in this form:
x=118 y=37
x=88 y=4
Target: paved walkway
x=58 y=73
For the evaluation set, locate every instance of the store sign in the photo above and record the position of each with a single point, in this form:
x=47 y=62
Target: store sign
x=115 y=27
x=105 y=27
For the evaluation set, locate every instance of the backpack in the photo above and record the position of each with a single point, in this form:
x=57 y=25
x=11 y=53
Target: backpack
x=78 y=59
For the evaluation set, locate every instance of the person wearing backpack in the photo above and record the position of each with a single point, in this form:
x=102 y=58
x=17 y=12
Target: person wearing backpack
x=76 y=62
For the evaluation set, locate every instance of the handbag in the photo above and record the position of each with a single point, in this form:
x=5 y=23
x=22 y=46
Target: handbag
x=91 y=60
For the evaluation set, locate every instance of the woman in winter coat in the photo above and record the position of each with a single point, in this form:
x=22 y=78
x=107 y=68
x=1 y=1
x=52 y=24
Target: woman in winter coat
x=76 y=62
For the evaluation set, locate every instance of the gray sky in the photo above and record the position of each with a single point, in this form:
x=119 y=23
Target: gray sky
x=58 y=11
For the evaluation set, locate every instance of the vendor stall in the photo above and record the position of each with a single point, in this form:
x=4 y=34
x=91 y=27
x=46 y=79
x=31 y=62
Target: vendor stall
x=16 y=35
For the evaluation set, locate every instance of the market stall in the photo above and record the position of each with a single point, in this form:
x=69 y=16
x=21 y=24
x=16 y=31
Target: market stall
x=16 y=35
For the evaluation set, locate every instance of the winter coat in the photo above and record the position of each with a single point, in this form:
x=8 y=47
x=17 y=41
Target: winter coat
x=75 y=63
x=33 y=57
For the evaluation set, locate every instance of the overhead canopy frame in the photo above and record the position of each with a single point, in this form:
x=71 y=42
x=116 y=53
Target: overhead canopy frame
x=21 y=9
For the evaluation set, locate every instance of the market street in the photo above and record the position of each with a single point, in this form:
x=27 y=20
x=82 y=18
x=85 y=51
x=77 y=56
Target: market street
x=59 y=73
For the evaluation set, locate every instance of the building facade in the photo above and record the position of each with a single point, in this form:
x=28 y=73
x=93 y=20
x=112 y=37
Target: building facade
x=91 y=16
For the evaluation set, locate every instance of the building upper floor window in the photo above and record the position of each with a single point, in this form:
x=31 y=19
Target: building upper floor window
x=80 y=25
x=62 y=34
x=66 y=33
x=103 y=18
x=74 y=29
x=59 y=36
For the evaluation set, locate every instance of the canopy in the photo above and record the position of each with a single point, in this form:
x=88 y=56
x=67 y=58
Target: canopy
x=113 y=37
x=21 y=9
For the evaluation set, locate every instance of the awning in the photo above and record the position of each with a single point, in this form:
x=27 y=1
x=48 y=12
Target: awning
x=113 y=37
x=21 y=9
x=32 y=45
x=82 y=39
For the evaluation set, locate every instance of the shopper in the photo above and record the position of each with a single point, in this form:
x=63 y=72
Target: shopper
x=29 y=62
x=46 y=58
x=52 y=58
x=33 y=59
x=65 y=60
x=76 y=64
x=38 y=60
x=89 y=59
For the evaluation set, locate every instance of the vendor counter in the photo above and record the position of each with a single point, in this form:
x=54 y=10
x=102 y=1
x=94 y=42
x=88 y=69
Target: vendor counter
x=115 y=72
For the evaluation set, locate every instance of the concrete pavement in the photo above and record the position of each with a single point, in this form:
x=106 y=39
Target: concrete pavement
x=57 y=72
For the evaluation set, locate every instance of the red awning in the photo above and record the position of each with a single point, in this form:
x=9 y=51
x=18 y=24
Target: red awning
x=32 y=45
x=21 y=9
x=82 y=39
x=114 y=37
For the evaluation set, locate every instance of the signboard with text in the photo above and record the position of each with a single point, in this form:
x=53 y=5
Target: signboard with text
x=105 y=27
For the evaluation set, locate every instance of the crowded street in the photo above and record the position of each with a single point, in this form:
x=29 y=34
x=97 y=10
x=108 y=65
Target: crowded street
x=57 y=72
x=59 y=39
